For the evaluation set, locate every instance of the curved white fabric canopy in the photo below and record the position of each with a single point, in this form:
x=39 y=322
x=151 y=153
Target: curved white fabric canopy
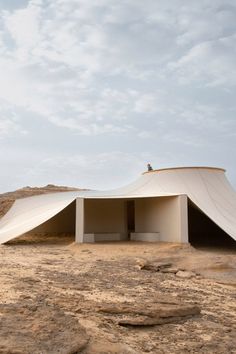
x=28 y=213
x=206 y=187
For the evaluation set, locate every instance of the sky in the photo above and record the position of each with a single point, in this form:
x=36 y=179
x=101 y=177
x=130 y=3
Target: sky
x=93 y=90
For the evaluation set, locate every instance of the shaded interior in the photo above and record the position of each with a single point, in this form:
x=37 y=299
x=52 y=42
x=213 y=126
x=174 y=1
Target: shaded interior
x=130 y=216
x=204 y=232
x=60 y=228
x=61 y=223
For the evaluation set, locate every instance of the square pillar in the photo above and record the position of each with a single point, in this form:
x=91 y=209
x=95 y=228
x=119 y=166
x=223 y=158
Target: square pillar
x=79 y=220
x=183 y=218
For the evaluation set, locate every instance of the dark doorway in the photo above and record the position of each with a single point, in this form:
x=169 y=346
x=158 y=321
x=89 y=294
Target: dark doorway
x=204 y=232
x=130 y=217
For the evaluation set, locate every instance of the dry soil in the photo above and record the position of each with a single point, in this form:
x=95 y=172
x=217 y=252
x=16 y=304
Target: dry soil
x=59 y=297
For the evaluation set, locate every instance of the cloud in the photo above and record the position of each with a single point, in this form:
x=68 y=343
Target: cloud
x=23 y=25
x=127 y=77
x=88 y=129
x=7 y=127
x=72 y=49
x=9 y=122
x=146 y=104
x=210 y=63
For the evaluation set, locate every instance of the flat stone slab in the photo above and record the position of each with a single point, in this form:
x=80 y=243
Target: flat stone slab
x=149 y=314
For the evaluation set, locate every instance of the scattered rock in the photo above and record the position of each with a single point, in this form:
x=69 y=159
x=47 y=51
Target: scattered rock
x=170 y=270
x=106 y=347
x=147 y=347
x=154 y=267
x=185 y=274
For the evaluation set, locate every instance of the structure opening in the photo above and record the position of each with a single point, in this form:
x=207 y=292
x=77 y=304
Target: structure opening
x=204 y=232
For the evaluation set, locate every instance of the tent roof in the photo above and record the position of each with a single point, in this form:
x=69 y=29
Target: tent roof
x=186 y=168
x=206 y=187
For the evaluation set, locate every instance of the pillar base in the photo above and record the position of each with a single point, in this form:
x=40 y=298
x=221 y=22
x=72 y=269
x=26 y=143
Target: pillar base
x=145 y=236
x=103 y=237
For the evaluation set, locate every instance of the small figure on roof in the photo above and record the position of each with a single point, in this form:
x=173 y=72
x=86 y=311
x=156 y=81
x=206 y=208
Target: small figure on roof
x=149 y=167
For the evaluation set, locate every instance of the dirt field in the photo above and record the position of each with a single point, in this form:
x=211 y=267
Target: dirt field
x=59 y=297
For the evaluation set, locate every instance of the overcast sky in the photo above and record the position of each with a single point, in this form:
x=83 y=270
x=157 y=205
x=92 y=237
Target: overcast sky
x=92 y=90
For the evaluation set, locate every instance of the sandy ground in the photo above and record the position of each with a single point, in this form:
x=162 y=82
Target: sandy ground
x=52 y=292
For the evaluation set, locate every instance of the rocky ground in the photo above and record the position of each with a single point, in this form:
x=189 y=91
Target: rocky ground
x=59 y=297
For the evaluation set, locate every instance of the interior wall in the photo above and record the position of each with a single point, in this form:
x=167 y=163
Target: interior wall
x=167 y=215
x=105 y=215
x=63 y=222
x=203 y=231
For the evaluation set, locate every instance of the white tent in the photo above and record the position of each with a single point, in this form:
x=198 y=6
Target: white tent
x=160 y=207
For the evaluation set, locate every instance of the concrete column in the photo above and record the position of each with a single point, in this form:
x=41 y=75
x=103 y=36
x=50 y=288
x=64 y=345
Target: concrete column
x=79 y=220
x=183 y=218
